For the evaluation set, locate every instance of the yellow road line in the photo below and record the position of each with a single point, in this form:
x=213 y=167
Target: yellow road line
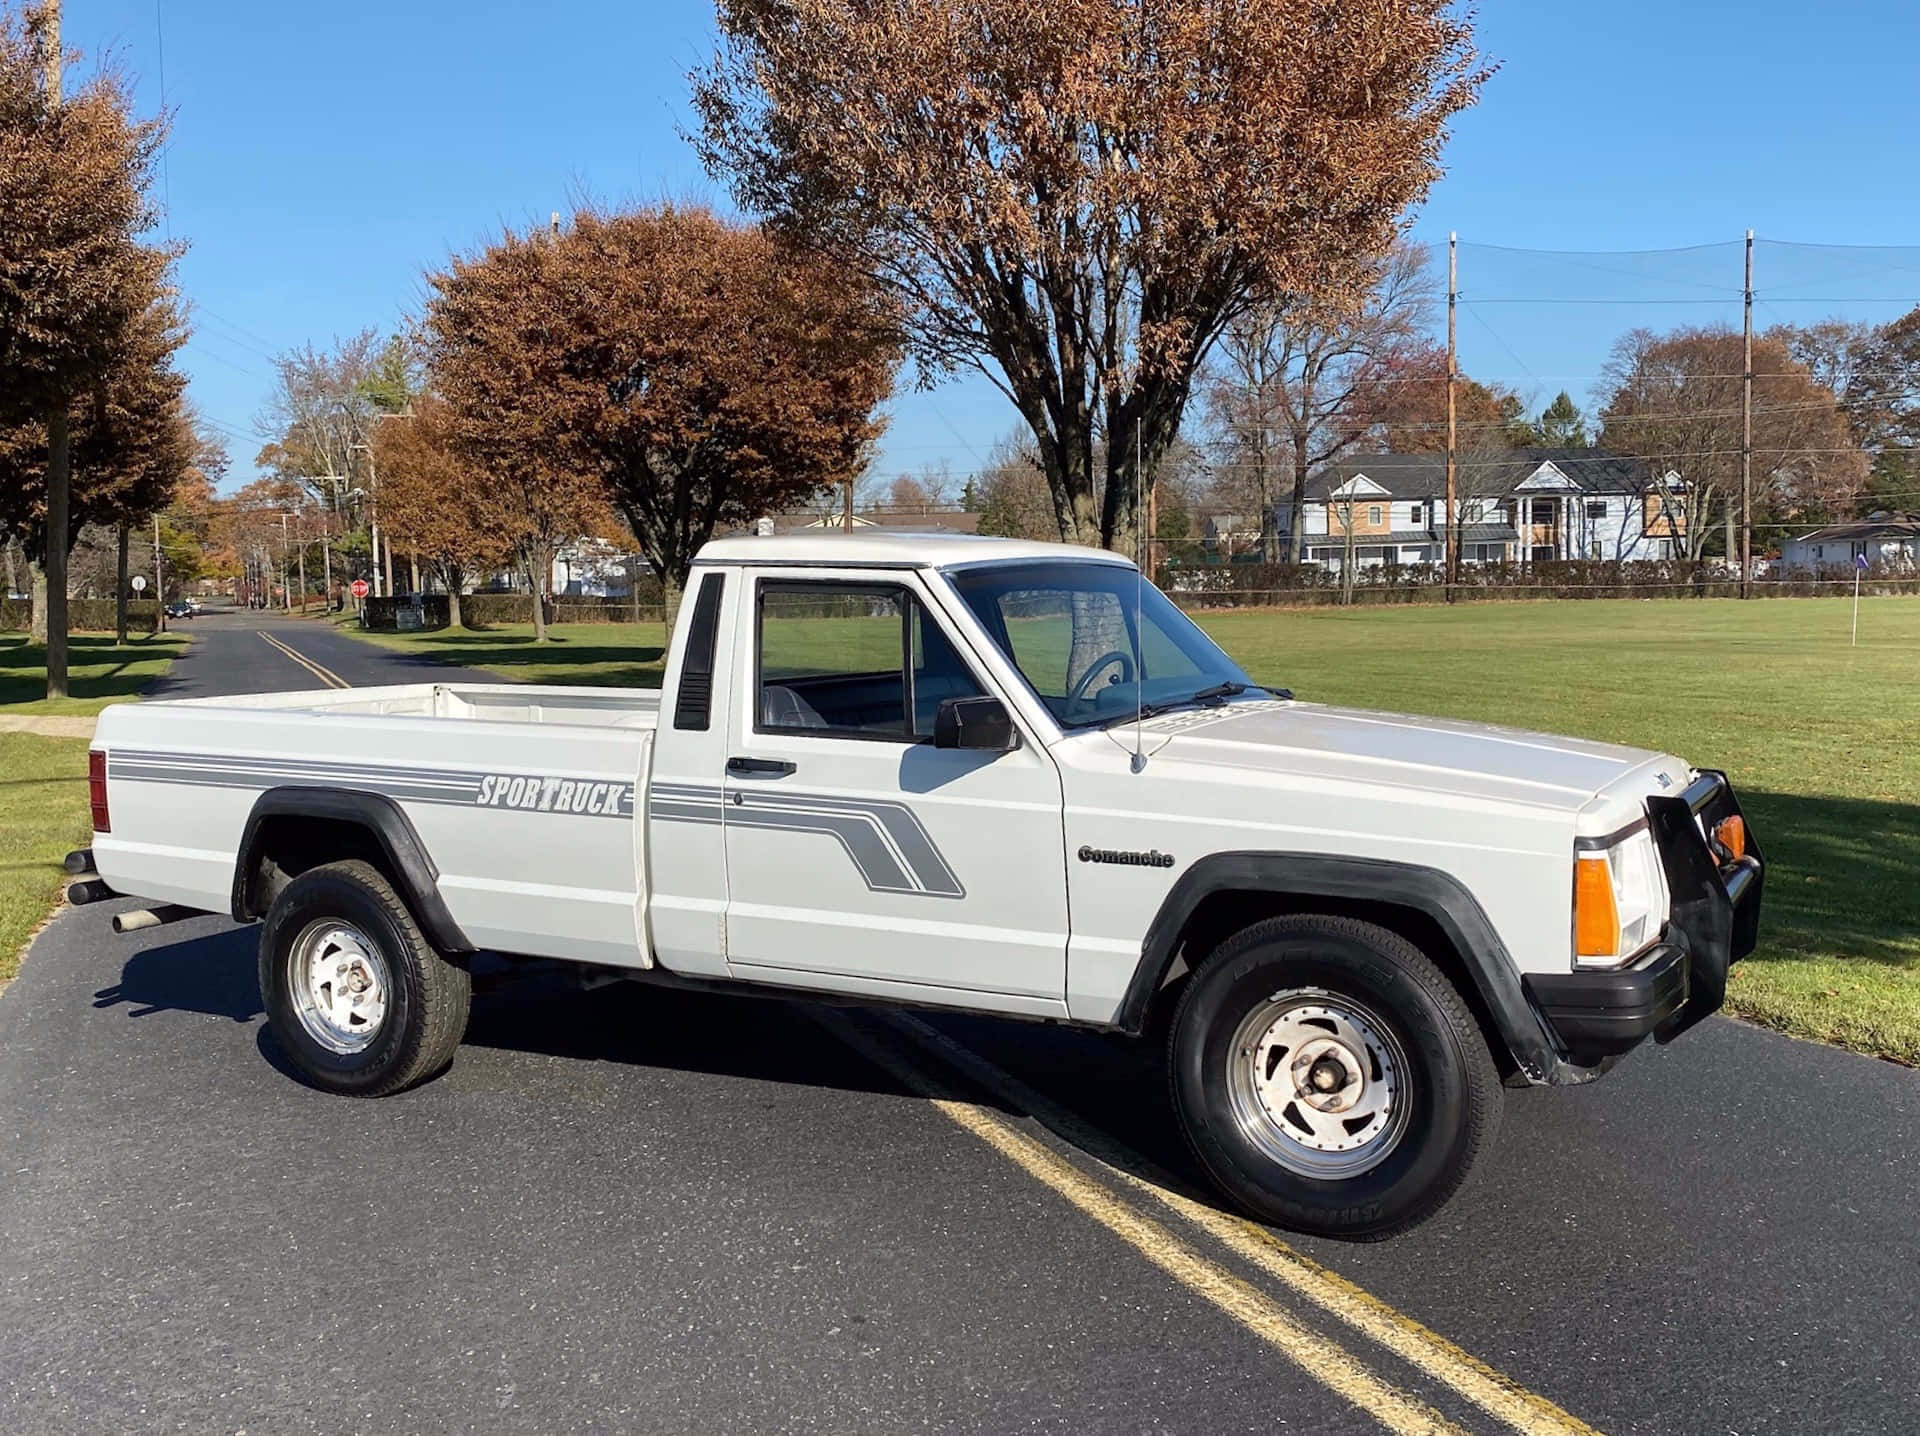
x=1422 y=1348
x=1319 y=1356
x=325 y=675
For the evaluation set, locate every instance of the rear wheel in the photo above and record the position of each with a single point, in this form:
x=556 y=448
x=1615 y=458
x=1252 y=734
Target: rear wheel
x=1330 y=1078
x=359 y=999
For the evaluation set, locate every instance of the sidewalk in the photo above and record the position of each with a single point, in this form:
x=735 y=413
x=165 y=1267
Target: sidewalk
x=79 y=725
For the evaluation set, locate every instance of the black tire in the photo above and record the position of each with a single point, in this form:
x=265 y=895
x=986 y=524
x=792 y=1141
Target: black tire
x=1448 y=1104
x=427 y=997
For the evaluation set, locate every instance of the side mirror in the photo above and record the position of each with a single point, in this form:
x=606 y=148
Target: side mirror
x=982 y=724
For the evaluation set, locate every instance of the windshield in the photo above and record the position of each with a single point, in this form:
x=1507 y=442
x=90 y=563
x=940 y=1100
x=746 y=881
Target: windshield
x=1071 y=630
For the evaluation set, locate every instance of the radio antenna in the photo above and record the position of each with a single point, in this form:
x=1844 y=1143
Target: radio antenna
x=1139 y=605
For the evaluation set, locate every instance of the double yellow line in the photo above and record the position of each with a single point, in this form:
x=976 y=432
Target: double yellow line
x=326 y=675
x=1318 y=1355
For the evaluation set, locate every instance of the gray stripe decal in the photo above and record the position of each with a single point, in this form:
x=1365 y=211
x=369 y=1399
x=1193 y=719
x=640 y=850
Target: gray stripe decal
x=446 y=787
x=886 y=841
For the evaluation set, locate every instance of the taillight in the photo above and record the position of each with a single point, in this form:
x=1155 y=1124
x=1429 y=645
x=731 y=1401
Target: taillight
x=97 y=789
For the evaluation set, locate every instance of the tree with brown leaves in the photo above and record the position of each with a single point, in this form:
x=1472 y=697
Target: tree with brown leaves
x=74 y=279
x=1676 y=403
x=429 y=499
x=131 y=443
x=692 y=372
x=1077 y=196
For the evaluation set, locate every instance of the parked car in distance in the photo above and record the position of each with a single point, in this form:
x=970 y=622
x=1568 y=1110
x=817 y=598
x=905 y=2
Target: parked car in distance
x=976 y=774
x=180 y=608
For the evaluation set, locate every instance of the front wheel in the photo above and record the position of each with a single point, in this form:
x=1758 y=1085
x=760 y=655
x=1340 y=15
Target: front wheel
x=1330 y=1078
x=360 y=1001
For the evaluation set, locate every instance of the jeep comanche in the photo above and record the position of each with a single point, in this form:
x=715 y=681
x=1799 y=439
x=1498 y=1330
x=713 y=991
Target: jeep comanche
x=1004 y=777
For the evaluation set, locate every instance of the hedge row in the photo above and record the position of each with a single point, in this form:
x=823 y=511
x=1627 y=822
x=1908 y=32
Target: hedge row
x=84 y=615
x=484 y=610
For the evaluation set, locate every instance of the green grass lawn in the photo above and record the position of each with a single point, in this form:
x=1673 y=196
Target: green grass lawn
x=43 y=781
x=99 y=671
x=1821 y=739
x=43 y=817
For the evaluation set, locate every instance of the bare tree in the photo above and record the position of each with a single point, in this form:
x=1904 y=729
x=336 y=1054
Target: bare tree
x=1313 y=375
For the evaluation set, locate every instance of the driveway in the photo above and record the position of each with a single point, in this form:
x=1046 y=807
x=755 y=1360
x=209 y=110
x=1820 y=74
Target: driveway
x=642 y=1210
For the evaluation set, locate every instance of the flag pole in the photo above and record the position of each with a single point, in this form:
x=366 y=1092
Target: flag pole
x=1857 y=566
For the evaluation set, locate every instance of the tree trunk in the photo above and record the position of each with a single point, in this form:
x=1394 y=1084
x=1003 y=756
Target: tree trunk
x=455 y=619
x=1733 y=551
x=120 y=591
x=1297 y=520
x=59 y=484
x=534 y=564
x=37 y=596
x=672 y=589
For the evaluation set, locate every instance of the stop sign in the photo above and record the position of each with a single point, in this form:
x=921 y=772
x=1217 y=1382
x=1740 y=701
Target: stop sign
x=358 y=588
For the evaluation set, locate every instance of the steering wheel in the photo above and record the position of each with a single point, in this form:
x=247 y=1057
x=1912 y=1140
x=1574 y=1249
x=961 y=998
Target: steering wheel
x=1078 y=694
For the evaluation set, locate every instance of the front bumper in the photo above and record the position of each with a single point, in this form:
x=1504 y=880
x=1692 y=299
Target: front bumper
x=1715 y=920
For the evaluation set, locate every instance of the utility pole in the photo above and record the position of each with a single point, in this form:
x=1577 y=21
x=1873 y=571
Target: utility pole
x=159 y=583
x=1453 y=373
x=286 y=577
x=1746 y=439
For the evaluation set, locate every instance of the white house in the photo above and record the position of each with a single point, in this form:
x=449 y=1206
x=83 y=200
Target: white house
x=1522 y=507
x=1885 y=540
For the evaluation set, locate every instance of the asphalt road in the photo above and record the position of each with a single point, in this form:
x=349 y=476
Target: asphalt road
x=633 y=1210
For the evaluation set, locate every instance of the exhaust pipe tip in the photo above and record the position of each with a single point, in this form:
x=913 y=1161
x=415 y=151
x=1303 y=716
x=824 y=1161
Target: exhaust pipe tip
x=80 y=860
x=141 y=919
x=89 y=891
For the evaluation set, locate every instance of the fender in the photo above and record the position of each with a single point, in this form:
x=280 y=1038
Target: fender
x=1428 y=891
x=407 y=862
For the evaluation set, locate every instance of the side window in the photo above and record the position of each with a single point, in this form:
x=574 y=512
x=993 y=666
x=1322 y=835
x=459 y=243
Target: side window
x=832 y=659
x=853 y=660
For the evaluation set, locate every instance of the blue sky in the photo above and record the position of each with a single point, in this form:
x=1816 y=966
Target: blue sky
x=323 y=157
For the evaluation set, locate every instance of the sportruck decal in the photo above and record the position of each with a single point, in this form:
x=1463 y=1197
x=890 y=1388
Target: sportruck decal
x=536 y=794
x=453 y=787
x=886 y=841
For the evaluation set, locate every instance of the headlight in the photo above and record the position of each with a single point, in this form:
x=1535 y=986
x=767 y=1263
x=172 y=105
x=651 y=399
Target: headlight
x=1619 y=901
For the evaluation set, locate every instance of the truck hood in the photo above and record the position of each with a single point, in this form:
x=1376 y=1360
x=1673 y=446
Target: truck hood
x=1430 y=755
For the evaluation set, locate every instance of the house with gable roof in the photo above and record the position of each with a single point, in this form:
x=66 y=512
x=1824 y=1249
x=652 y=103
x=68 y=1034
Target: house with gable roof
x=1526 y=506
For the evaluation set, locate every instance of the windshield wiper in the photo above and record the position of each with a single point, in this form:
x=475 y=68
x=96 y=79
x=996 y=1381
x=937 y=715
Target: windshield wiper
x=1211 y=696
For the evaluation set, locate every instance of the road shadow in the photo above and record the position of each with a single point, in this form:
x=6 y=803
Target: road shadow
x=1112 y=1085
x=23 y=668
x=1840 y=877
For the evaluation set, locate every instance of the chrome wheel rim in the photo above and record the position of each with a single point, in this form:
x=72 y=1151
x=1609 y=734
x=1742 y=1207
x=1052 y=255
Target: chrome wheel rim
x=340 y=985
x=1319 y=1083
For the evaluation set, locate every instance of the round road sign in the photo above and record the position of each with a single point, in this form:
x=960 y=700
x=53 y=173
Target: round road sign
x=139 y=583
x=358 y=588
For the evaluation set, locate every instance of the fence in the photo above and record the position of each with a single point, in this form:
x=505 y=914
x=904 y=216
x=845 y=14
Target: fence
x=84 y=615
x=483 y=610
x=1306 y=586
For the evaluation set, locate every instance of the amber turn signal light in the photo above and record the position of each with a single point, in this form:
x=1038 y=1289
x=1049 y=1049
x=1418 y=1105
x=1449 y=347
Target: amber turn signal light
x=1731 y=834
x=1596 y=919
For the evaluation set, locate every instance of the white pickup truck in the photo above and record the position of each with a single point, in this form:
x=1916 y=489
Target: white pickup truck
x=1004 y=777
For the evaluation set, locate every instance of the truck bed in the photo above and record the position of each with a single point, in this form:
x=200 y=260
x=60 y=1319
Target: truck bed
x=477 y=702
x=524 y=795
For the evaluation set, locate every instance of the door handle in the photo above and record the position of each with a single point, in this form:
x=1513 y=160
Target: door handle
x=765 y=767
